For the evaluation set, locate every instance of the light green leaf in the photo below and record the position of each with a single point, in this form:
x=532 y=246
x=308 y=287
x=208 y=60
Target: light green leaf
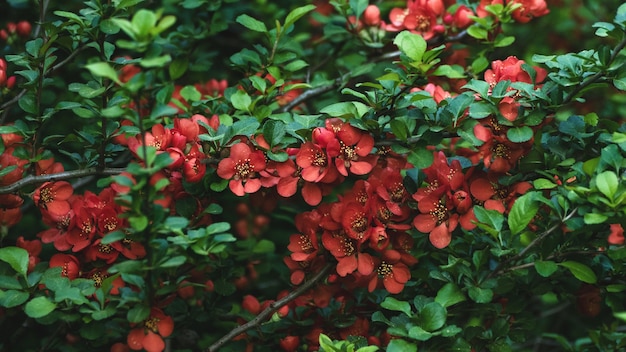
x=399 y=345
x=241 y=100
x=396 y=305
x=39 y=307
x=580 y=271
x=432 y=316
x=523 y=210
x=450 y=294
x=411 y=44
x=16 y=257
x=607 y=183
x=545 y=268
x=297 y=13
x=251 y=23
x=103 y=69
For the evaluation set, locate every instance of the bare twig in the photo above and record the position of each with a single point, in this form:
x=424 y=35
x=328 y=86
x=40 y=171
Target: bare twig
x=65 y=175
x=275 y=306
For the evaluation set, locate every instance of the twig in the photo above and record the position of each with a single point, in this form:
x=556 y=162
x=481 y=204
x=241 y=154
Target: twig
x=597 y=75
x=275 y=306
x=531 y=245
x=30 y=180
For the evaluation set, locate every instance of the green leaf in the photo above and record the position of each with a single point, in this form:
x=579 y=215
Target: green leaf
x=545 y=268
x=543 y=183
x=391 y=303
x=297 y=13
x=419 y=334
x=399 y=345
x=519 y=134
x=522 y=212
x=16 y=257
x=493 y=218
x=432 y=317
x=251 y=23
x=450 y=71
x=594 y=218
x=103 y=69
x=421 y=158
x=12 y=298
x=412 y=45
x=138 y=313
x=174 y=262
x=241 y=100
x=450 y=294
x=39 y=307
x=480 y=295
x=607 y=183
x=580 y=271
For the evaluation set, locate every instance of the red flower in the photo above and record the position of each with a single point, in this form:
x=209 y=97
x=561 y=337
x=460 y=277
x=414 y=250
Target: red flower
x=316 y=164
x=616 y=236
x=420 y=17
x=351 y=149
x=529 y=9
x=304 y=245
x=241 y=168
x=436 y=219
x=53 y=197
x=150 y=334
x=70 y=266
x=393 y=273
x=345 y=250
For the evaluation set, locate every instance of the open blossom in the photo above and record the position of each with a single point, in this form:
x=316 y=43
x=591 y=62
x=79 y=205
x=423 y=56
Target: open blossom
x=529 y=9
x=419 y=16
x=242 y=168
x=54 y=196
x=149 y=335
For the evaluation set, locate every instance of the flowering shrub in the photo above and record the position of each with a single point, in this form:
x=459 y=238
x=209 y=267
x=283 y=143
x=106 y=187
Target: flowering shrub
x=336 y=175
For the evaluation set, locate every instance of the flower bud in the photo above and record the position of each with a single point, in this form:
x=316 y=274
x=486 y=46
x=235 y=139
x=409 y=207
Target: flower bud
x=23 y=29
x=371 y=15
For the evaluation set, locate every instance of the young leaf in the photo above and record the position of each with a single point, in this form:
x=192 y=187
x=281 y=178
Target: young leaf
x=297 y=13
x=103 y=69
x=251 y=23
x=412 y=45
x=396 y=305
x=523 y=210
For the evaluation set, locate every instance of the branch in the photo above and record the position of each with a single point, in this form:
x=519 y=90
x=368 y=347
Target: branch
x=597 y=75
x=531 y=245
x=30 y=180
x=270 y=310
x=387 y=56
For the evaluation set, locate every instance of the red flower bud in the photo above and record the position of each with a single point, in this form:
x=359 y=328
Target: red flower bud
x=23 y=28
x=371 y=15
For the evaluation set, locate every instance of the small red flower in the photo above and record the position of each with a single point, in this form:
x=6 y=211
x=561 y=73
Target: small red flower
x=241 y=168
x=149 y=335
x=393 y=273
x=53 y=197
x=616 y=236
x=70 y=266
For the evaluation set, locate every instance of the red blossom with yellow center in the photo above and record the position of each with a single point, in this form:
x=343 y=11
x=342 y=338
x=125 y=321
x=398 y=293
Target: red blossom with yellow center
x=242 y=168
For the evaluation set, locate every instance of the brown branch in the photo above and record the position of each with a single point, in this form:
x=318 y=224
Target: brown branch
x=65 y=175
x=275 y=306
